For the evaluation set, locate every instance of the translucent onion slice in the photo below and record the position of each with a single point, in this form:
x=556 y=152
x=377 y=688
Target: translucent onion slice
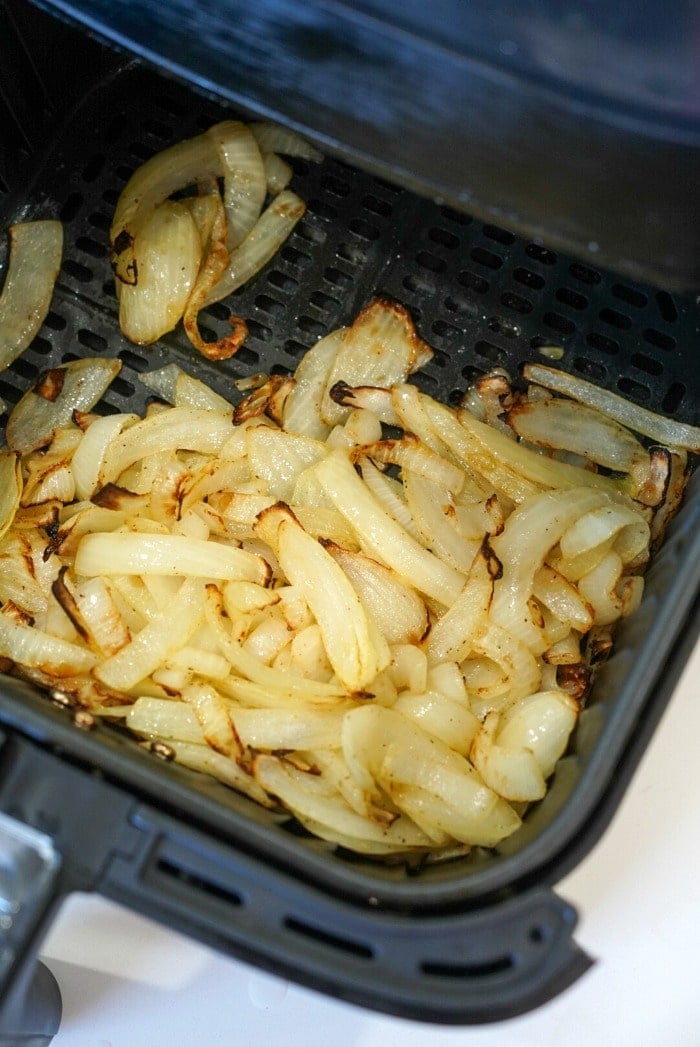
x=245 y=183
x=191 y=160
x=541 y=722
x=272 y=730
x=212 y=714
x=452 y=635
x=354 y=652
x=450 y=721
x=513 y=773
x=205 y=760
x=302 y=408
x=276 y=138
x=435 y=786
x=278 y=457
x=30 y=646
x=381 y=536
x=396 y=607
x=185 y=428
x=317 y=805
x=180 y=389
x=167 y=554
x=49 y=405
x=639 y=419
x=170 y=252
x=89 y=455
x=34 y=261
x=381 y=347
x=431 y=507
x=10 y=489
x=163 y=634
x=566 y=425
x=260 y=245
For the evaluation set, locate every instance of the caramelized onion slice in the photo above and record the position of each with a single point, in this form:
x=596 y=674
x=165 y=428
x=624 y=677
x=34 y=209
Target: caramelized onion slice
x=35 y=259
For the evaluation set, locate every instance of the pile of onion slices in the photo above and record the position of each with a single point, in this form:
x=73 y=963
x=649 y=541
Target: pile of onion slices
x=338 y=596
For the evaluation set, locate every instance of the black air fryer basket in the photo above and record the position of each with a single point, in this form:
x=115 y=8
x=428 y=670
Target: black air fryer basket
x=476 y=939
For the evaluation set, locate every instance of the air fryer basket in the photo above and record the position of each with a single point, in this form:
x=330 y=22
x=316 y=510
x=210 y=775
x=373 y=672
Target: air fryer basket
x=472 y=940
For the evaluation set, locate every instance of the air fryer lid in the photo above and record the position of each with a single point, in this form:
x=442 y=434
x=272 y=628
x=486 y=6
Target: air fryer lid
x=478 y=938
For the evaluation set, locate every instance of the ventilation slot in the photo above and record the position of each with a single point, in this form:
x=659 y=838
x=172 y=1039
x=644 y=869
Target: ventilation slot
x=468 y=971
x=198 y=883
x=333 y=941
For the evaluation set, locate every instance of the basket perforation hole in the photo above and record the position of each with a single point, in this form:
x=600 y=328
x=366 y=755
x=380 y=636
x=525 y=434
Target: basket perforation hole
x=247 y=356
x=134 y=361
x=94 y=167
x=468 y=971
x=501 y=236
x=473 y=281
x=270 y=305
x=100 y=220
x=444 y=237
x=91 y=340
x=603 y=343
x=324 y=301
x=309 y=325
x=337 y=277
x=76 y=270
x=432 y=262
x=458 y=217
x=657 y=338
x=516 y=302
x=110 y=197
x=365 y=230
x=667 y=307
x=122 y=387
x=493 y=353
x=295 y=257
x=559 y=323
x=55 y=321
x=158 y=130
x=217 y=310
x=258 y=330
x=528 y=278
x=322 y=209
x=416 y=285
x=294 y=348
x=539 y=934
x=674 y=397
x=540 y=254
x=456 y=304
x=590 y=368
x=324 y=937
x=373 y=204
x=123 y=172
x=71 y=207
x=572 y=298
x=615 y=319
x=646 y=363
x=486 y=258
x=629 y=387
x=169 y=105
x=282 y=281
x=504 y=327
x=443 y=329
x=10 y=394
x=91 y=247
x=629 y=295
x=42 y=345
x=585 y=274
x=24 y=368
x=336 y=186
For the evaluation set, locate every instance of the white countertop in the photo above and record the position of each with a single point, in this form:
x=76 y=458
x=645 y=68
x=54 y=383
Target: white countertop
x=127 y=982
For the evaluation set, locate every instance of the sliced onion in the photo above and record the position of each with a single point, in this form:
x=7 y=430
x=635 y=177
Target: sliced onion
x=260 y=245
x=36 y=250
x=10 y=489
x=639 y=419
x=166 y=554
x=189 y=161
x=170 y=253
x=276 y=138
x=381 y=347
x=541 y=722
x=511 y=772
x=381 y=536
x=29 y=646
x=302 y=408
x=50 y=403
x=244 y=178
x=89 y=456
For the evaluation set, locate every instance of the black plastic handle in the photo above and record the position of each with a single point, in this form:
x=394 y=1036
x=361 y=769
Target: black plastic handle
x=458 y=967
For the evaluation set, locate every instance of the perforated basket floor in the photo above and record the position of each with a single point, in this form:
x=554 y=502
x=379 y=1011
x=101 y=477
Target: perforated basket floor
x=480 y=296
